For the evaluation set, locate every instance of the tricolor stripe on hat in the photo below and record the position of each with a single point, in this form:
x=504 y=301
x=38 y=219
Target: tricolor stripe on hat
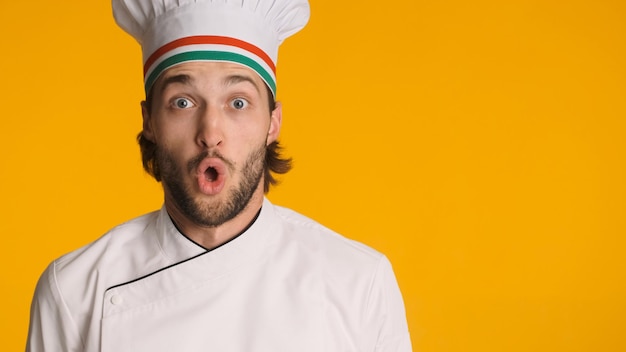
x=247 y=32
x=210 y=48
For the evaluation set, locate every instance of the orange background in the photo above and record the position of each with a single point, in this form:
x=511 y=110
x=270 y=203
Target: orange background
x=479 y=144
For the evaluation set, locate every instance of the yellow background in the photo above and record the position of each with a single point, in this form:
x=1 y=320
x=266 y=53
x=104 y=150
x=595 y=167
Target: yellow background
x=479 y=144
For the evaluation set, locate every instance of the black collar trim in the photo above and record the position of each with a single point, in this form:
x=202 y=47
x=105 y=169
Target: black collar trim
x=188 y=259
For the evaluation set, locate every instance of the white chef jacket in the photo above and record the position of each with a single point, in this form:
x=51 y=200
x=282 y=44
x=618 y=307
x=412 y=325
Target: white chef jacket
x=286 y=284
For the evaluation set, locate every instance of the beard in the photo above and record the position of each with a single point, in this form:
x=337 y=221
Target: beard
x=215 y=212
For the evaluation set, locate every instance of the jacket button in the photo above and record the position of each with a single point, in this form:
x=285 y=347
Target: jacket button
x=117 y=300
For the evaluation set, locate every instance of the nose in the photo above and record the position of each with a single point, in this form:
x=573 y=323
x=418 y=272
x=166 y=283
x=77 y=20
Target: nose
x=210 y=133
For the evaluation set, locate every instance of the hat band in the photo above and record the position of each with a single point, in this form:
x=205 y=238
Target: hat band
x=210 y=56
x=208 y=39
x=209 y=48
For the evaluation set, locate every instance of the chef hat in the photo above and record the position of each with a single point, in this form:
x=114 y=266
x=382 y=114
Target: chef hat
x=246 y=32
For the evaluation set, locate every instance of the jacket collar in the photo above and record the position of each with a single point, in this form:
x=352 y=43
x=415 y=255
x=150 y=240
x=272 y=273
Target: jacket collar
x=177 y=247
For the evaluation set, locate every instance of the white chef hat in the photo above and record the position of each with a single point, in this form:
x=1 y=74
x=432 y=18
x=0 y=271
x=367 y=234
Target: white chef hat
x=246 y=32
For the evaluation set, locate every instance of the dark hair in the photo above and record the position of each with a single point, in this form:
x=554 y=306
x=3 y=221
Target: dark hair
x=274 y=161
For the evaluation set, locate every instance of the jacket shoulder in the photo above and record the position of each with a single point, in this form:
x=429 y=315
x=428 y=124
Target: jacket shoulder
x=336 y=249
x=116 y=237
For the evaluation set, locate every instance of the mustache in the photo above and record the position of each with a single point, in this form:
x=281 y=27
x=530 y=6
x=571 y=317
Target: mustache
x=195 y=161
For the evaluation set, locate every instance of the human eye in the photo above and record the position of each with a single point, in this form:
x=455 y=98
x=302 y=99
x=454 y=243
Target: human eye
x=239 y=103
x=182 y=103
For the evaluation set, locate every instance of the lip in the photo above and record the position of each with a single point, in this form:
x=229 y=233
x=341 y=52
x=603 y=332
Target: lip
x=210 y=176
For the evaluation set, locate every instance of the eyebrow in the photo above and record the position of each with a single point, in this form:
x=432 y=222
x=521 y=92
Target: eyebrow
x=234 y=79
x=181 y=78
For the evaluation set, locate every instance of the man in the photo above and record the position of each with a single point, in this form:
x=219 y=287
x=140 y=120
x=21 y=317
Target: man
x=218 y=268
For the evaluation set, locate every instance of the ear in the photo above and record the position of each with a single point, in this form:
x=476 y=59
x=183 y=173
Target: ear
x=147 y=132
x=276 y=119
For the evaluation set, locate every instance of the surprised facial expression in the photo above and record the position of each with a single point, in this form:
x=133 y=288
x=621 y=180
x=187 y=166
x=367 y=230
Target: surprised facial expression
x=211 y=124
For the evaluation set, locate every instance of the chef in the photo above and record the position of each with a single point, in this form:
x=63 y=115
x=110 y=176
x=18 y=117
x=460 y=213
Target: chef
x=218 y=267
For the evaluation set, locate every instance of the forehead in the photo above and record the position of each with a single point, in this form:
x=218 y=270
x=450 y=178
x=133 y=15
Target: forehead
x=211 y=72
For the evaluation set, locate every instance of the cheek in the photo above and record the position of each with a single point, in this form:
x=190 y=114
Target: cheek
x=249 y=132
x=173 y=133
x=178 y=147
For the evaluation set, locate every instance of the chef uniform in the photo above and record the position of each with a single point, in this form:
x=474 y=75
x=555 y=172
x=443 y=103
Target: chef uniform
x=286 y=283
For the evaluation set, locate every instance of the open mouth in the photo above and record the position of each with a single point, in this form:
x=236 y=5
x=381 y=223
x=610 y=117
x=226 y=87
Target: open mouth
x=211 y=174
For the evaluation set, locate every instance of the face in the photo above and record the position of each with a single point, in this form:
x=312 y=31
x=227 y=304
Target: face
x=211 y=124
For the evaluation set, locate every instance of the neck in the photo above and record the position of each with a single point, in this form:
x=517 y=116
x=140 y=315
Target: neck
x=215 y=236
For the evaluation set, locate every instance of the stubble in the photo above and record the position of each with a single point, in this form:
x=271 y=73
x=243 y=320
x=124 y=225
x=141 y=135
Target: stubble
x=211 y=213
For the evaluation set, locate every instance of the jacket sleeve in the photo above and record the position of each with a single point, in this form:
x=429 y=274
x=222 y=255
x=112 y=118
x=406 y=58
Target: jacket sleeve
x=387 y=313
x=51 y=327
